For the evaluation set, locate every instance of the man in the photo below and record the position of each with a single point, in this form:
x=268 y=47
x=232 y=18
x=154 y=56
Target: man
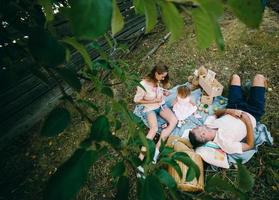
x=232 y=128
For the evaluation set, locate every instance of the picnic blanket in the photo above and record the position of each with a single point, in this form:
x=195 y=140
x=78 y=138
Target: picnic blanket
x=261 y=133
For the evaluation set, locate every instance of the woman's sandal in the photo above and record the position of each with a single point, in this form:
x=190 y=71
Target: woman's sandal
x=164 y=125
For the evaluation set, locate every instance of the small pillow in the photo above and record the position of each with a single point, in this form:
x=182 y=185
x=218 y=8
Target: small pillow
x=211 y=153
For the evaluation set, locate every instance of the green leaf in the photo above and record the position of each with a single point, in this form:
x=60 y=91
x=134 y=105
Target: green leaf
x=57 y=120
x=70 y=177
x=203 y=27
x=274 y=163
x=123 y=188
x=86 y=143
x=80 y=48
x=47 y=5
x=184 y=158
x=100 y=64
x=249 y=12
x=89 y=19
x=139 y=6
x=214 y=10
x=166 y=179
x=218 y=36
x=117 y=22
x=140 y=186
x=205 y=196
x=45 y=48
x=100 y=129
x=172 y=19
x=68 y=55
x=171 y=162
x=206 y=23
x=114 y=141
x=245 y=180
x=118 y=169
x=107 y=91
x=150 y=150
x=117 y=71
x=88 y=104
x=117 y=125
x=162 y=146
x=107 y=108
x=151 y=189
x=69 y=77
x=179 y=1
x=216 y=183
x=166 y=151
x=150 y=12
x=191 y=174
x=135 y=160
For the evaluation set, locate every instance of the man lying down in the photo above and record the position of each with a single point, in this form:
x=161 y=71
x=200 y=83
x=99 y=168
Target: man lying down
x=232 y=129
x=236 y=129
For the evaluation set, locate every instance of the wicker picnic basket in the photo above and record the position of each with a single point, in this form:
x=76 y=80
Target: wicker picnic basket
x=183 y=145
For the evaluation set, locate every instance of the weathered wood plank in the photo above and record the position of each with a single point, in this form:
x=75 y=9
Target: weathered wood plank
x=29 y=100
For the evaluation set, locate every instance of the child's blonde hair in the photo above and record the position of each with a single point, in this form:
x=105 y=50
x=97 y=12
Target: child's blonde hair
x=183 y=91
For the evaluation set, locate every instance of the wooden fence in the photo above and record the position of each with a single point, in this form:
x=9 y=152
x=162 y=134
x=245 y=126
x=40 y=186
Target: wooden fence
x=29 y=100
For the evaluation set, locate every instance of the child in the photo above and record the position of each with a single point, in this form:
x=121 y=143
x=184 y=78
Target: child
x=182 y=106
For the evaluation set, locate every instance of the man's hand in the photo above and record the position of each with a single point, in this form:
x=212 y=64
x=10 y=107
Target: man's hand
x=220 y=112
x=234 y=112
x=245 y=118
x=250 y=133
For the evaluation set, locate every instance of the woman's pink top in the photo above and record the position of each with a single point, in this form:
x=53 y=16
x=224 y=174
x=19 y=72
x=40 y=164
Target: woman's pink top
x=150 y=94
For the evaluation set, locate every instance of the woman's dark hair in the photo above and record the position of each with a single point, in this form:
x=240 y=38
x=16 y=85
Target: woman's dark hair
x=194 y=140
x=160 y=68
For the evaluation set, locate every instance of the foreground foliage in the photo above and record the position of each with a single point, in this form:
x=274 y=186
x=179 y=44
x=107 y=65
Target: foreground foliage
x=44 y=51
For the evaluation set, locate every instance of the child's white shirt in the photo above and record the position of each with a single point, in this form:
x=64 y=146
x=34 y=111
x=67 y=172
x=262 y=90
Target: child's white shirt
x=183 y=108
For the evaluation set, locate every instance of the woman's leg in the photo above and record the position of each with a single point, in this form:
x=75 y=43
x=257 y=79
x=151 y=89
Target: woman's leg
x=153 y=128
x=169 y=116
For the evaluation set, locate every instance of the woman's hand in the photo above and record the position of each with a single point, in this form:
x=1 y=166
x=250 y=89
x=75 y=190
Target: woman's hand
x=158 y=100
x=166 y=93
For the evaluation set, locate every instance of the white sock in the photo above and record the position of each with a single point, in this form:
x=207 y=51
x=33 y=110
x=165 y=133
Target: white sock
x=140 y=174
x=156 y=155
x=140 y=168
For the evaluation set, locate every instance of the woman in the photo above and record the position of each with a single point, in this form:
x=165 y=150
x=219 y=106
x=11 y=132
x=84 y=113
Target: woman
x=152 y=98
